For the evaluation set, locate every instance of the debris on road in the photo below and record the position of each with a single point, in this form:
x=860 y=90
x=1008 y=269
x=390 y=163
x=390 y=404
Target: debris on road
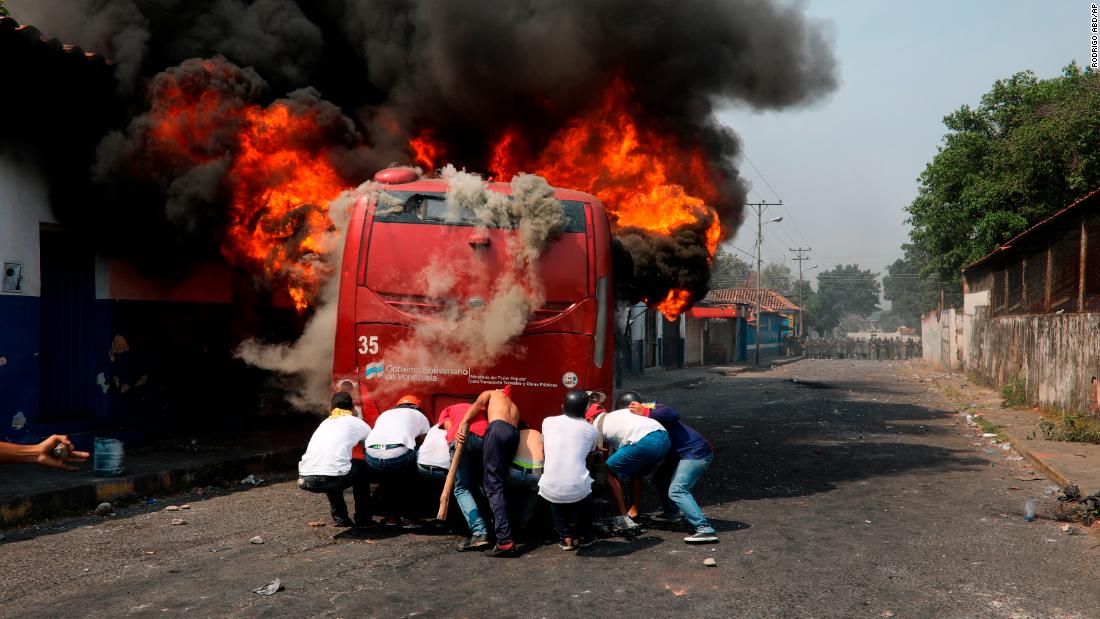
x=1029 y=509
x=256 y=540
x=315 y=523
x=252 y=480
x=270 y=588
x=185 y=506
x=103 y=509
x=1067 y=529
x=172 y=508
x=710 y=562
x=178 y=521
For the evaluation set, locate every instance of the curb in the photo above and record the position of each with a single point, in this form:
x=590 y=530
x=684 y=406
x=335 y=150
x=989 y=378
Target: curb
x=1026 y=452
x=81 y=498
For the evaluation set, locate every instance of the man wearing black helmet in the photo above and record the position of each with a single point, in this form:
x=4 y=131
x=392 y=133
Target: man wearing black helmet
x=637 y=445
x=688 y=459
x=568 y=443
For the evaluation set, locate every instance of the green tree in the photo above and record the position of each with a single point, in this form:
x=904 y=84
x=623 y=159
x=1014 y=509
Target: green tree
x=728 y=271
x=1028 y=149
x=843 y=290
x=779 y=278
x=912 y=294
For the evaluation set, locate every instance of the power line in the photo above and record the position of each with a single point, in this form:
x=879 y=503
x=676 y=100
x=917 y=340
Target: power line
x=778 y=197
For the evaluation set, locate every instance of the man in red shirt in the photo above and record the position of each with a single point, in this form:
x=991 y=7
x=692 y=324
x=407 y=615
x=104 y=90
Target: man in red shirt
x=469 y=473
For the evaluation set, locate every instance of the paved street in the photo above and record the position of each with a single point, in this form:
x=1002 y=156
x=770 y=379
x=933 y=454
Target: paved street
x=840 y=489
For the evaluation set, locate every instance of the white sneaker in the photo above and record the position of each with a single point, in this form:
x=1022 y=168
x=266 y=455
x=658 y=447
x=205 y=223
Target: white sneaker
x=699 y=537
x=624 y=522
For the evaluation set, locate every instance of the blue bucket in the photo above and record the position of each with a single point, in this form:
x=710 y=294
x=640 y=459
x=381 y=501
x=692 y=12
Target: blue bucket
x=107 y=461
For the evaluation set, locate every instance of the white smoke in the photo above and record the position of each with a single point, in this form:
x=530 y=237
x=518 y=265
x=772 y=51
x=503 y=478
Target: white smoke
x=458 y=336
x=307 y=362
x=465 y=337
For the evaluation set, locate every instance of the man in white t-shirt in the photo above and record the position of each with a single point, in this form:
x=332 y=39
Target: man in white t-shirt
x=391 y=452
x=328 y=467
x=637 y=445
x=433 y=459
x=568 y=442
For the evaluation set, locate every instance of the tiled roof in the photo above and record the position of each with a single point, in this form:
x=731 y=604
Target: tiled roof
x=769 y=300
x=10 y=27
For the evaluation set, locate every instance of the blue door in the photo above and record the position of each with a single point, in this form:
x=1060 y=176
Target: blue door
x=67 y=378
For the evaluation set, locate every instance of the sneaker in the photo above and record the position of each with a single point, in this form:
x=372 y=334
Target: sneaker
x=701 y=537
x=392 y=521
x=625 y=527
x=567 y=544
x=665 y=517
x=341 y=521
x=410 y=524
x=477 y=542
x=511 y=550
x=585 y=542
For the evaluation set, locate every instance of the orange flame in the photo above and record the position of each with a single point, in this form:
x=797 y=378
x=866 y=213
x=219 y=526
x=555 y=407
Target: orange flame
x=645 y=179
x=426 y=151
x=279 y=226
x=674 y=303
x=279 y=220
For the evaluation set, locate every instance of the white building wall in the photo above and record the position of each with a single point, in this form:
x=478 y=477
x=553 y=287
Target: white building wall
x=24 y=204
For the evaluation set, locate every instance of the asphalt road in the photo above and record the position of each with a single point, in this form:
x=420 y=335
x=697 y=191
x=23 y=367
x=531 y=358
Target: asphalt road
x=840 y=489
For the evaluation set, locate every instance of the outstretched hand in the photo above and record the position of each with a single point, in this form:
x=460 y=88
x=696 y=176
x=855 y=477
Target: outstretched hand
x=45 y=456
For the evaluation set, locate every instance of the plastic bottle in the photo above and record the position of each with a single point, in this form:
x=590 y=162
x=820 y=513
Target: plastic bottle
x=107 y=461
x=1029 y=509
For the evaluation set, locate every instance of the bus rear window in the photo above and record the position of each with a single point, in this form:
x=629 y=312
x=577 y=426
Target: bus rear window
x=408 y=207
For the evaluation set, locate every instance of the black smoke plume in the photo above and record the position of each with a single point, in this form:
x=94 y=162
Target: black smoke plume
x=464 y=70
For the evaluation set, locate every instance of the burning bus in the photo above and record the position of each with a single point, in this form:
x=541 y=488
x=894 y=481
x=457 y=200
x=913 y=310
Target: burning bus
x=427 y=290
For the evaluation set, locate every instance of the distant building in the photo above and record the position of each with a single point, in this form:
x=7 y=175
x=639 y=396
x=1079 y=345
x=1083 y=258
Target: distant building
x=777 y=314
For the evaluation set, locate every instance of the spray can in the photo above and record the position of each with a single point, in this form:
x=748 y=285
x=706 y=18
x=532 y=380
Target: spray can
x=1029 y=509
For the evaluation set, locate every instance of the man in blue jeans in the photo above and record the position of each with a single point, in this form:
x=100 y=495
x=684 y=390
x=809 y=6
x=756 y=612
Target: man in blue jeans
x=498 y=450
x=467 y=487
x=637 y=445
x=688 y=459
x=391 y=451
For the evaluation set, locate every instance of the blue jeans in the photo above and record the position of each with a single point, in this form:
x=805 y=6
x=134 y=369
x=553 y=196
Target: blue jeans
x=467 y=480
x=675 y=479
x=433 y=473
x=395 y=479
x=640 y=457
x=526 y=487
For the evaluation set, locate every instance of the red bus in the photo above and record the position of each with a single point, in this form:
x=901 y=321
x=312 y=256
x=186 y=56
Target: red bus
x=384 y=297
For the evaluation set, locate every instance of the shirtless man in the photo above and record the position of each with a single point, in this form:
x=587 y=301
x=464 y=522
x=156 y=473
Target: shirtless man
x=501 y=442
x=524 y=474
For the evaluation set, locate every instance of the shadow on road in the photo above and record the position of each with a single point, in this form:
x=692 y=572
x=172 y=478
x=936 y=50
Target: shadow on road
x=775 y=436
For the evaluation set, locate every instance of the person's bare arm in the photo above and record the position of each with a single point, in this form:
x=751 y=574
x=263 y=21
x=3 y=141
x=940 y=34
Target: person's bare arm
x=42 y=453
x=479 y=405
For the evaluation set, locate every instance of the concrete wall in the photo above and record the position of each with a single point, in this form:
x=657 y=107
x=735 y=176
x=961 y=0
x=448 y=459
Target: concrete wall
x=941 y=333
x=1054 y=355
x=24 y=206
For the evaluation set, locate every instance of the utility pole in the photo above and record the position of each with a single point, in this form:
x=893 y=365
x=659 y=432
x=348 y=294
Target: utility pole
x=801 y=308
x=760 y=207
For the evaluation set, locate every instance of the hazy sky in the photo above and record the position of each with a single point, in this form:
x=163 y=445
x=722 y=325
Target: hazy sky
x=847 y=167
